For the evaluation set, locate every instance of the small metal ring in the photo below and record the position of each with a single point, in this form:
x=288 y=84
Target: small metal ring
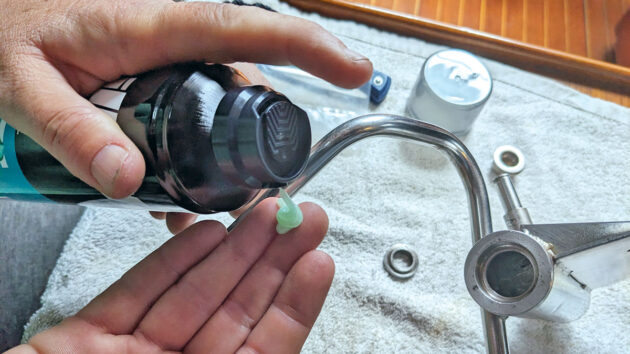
x=508 y=159
x=475 y=275
x=395 y=270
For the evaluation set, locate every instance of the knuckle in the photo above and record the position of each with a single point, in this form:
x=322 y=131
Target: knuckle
x=200 y=14
x=221 y=13
x=91 y=16
x=305 y=28
x=67 y=125
x=293 y=314
x=101 y=22
x=239 y=314
x=318 y=38
x=310 y=26
x=196 y=293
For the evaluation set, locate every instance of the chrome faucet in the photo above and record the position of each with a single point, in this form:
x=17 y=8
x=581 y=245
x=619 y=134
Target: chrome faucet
x=485 y=273
x=543 y=271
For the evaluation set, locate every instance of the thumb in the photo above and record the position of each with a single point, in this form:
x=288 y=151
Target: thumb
x=84 y=139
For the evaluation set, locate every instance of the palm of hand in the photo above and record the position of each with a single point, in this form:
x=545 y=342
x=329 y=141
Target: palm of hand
x=249 y=291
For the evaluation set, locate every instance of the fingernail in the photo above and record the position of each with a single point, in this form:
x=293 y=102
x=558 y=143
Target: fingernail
x=106 y=166
x=354 y=55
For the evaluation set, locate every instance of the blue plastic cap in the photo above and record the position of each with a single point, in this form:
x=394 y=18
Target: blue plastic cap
x=380 y=87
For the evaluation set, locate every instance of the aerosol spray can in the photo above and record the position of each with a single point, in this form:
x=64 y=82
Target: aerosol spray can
x=209 y=138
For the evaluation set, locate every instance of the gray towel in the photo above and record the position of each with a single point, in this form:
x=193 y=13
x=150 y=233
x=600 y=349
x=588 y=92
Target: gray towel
x=385 y=191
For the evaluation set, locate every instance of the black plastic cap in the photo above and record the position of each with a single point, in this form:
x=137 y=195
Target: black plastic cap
x=266 y=139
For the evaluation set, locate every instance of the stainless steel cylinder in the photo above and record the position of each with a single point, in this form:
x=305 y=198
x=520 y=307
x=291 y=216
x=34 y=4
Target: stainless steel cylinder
x=452 y=88
x=510 y=273
x=515 y=215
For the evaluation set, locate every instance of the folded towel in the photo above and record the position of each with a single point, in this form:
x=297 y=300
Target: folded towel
x=386 y=191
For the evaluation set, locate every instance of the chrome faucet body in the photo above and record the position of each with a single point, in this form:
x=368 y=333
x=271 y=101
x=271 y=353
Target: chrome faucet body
x=543 y=271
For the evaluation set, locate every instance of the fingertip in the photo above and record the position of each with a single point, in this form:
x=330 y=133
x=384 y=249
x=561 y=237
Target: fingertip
x=344 y=71
x=177 y=222
x=363 y=72
x=316 y=217
x=321 y=267
x=358 y=72
x=132 y=174
x=159 y=215
x=118 y=170
x=336 y=63
x=206 y=227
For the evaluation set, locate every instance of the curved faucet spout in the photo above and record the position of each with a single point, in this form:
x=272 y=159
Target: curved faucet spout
x=396 y=126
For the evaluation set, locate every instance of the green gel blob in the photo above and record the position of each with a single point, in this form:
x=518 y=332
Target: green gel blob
x=289 y=215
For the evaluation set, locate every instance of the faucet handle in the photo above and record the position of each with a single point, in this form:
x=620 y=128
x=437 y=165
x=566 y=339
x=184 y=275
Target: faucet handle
x=508 y=161
x=594 y=254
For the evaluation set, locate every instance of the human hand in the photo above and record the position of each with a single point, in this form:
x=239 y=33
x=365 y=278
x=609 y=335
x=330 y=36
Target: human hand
x=53 y=52
x=249 y=291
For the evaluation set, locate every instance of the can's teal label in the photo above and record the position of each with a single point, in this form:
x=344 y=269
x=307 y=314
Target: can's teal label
x=12 y=180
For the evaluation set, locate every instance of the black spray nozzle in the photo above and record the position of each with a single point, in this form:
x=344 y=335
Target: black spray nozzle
x=260 y=138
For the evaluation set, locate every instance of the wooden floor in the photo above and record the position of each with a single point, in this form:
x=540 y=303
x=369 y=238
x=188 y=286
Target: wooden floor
x=581 y=27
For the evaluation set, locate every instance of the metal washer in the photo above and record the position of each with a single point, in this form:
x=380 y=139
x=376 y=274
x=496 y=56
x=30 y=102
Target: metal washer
x=397 y=271
x=516 y=163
